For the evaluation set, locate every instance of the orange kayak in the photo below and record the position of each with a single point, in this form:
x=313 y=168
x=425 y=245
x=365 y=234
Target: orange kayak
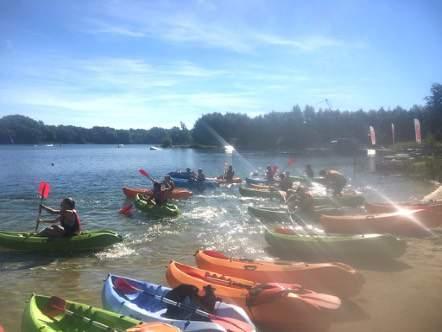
x=433 y=217
x=333 y=278
x=276 y=307
x=406 y=223
x=177 y=193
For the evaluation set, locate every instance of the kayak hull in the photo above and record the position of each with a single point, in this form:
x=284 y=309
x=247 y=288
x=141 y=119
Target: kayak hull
x=235 y=180
x=405 y=223
x=146 y=308
x=86 y=241
x=332 y=278
x=177 y=193
x=34 y=319
x=156 y=211
x=432 y=218
x=335 y=246
x=195 y=185
x=351 y=200
x=283 y=311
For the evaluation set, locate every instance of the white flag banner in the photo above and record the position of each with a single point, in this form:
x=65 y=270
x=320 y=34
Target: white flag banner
x=372 y=135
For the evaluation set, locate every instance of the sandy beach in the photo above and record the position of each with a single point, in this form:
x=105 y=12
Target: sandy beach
x=405 y=295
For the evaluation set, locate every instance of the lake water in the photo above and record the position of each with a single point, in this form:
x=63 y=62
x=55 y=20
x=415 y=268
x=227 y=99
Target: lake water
x=94 y=175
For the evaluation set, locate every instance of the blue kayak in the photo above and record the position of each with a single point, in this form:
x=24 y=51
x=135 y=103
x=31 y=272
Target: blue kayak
x=141 y=300
x=180 y=175
x=196 y=185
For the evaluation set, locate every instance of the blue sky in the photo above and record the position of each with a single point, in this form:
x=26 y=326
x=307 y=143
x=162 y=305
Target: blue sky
x=155 y=63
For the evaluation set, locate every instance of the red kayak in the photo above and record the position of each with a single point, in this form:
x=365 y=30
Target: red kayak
x=432 y=218
x=406 y=223
x=177 y=193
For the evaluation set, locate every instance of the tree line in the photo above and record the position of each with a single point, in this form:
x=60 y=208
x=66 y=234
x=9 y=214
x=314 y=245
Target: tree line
x=298 y=128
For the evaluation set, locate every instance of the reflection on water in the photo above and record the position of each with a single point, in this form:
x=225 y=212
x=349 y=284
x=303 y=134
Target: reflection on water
x=94 y=176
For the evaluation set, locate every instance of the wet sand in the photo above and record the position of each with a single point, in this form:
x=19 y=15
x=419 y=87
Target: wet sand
x=404 y=296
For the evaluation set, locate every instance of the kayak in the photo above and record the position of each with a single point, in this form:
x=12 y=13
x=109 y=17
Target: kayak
x=322 y=246
x=196 y=185
x=259 y=181
x=156 y=211
x=177 y=193
x=405 y=223
x=432 y=219
x=36 y=318
x=281 y=214
x=221 y=180
x=136 y=299
x=273 y=307
x=85 y=241
x=332 y=278
x=350 y=199
x=180 y=175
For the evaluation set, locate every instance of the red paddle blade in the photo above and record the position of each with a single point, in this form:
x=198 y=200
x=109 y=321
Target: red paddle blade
x=54 y=307
x=43 y=189
x=126 y=210
x=231 y=324
x=1 y=329
x=143 y=172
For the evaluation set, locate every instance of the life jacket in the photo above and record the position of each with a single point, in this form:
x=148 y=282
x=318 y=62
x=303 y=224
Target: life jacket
x=70 y=230
x=160 y=197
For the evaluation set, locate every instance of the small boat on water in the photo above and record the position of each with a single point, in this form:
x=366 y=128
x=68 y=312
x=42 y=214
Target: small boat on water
x=154 y=148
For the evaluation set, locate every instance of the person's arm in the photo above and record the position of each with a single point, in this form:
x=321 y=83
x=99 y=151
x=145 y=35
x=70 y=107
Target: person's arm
x=49 y=209
x=50 y=221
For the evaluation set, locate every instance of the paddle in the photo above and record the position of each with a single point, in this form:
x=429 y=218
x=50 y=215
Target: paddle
x=57 y=305
x=144 y=173
x=43 y=190
x=230 y=324
x=126 y=210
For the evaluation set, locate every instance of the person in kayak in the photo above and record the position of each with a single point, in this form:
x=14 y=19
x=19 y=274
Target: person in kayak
x=168 y=184
x=200 y=177
x=229 y=173
x=309 y=171
x=334 y=180
x=301 y=201
x=66 y=224
x=284 y=183
x=270 y=174
x=159 y=195
x=190 y=174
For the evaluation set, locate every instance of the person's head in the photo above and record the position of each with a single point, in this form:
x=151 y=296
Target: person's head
x=308 y=166
x=67 y=204
x=282 y=176
x=230 y=168
x=200 y=171
x=269 y=168
x=188 y=170
x=322 y=172
x=287 y=173
x=167 y=178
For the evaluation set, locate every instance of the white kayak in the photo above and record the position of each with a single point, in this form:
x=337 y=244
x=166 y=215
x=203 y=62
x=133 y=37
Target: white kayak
x=145 y=304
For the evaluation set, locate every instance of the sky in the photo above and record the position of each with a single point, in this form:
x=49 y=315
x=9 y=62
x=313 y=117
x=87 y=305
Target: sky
x=139 y=64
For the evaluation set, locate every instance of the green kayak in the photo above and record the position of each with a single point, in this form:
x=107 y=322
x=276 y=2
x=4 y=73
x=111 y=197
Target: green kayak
x=344 y=200
x=34 y=318
x=318 y=246
x=85 y=241
x=280 y=214
x=156 y=211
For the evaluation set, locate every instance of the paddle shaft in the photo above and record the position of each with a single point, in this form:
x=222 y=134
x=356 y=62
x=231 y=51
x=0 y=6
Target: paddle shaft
x=90 y=321
x=37 y=222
